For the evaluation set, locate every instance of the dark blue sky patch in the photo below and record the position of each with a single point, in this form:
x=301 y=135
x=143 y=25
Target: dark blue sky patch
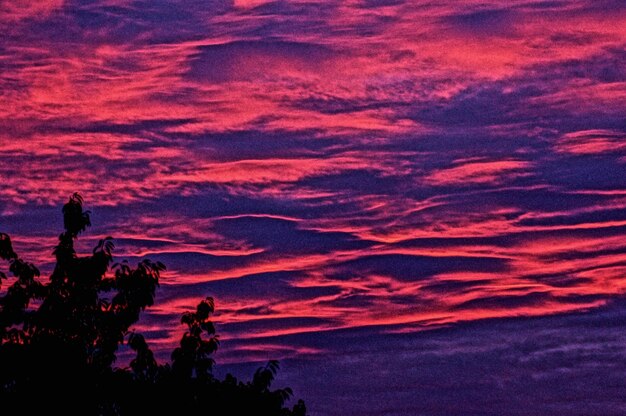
x=272 y=286
x=493 y=367
x=286 y=236
x=487 y=22
x=231 y=61
x=415 y=268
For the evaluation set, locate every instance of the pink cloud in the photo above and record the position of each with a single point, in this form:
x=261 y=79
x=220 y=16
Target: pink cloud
x=16 y=10
x=589 y=142
x=480 y=172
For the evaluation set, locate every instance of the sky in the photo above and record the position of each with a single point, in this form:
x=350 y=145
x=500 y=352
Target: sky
x=418 y=207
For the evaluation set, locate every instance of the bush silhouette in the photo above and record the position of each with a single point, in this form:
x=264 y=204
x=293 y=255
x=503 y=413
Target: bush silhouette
x=58 y=341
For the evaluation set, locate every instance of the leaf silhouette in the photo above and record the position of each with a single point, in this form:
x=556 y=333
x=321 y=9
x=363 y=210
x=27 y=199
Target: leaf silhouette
x=71 y=328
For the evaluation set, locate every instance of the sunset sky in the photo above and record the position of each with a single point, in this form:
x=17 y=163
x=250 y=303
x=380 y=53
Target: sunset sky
x=367 y=187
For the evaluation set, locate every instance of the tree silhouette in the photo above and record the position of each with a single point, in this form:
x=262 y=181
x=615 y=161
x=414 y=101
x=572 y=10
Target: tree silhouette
x=58 y=341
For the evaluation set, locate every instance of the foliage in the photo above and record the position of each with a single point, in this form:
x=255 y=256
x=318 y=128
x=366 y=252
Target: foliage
x=58 y=341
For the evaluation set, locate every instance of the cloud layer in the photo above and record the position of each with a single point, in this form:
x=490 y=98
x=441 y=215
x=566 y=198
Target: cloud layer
x=323 y=167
